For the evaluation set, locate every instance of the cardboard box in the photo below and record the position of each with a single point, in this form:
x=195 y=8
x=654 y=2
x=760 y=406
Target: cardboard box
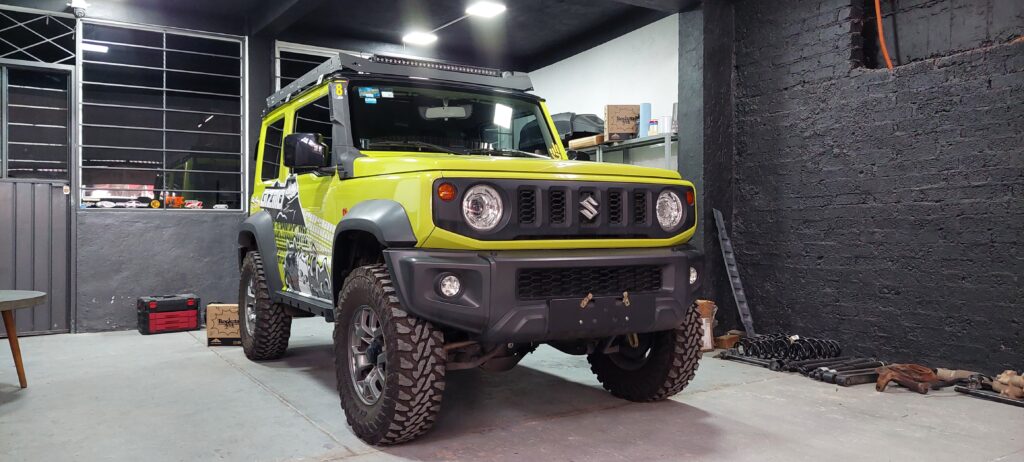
x=222 y=325
x=621 y=121
x=587 y=142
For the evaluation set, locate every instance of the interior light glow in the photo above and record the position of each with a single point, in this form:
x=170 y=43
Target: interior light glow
x=419 y=38
x=502 y=116
x=95 y=47
x=485 y=9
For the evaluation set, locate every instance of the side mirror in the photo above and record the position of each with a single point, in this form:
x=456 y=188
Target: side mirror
x=579 y=155
x=305 y=151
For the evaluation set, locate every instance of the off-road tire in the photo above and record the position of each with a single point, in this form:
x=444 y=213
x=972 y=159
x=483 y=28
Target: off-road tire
x=414 y=376
x=269 y=339
x=671 y=364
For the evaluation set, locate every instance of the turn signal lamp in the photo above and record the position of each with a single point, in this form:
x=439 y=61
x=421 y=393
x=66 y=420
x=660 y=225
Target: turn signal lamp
x=689 y=197
x=446 y=192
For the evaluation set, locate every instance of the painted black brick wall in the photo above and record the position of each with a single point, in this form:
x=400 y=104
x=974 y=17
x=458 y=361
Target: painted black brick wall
x=883 y=210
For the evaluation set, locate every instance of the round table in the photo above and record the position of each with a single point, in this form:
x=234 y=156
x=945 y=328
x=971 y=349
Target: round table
x=11 y=300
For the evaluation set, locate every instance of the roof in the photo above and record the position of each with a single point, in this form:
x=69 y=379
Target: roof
x=402 y=67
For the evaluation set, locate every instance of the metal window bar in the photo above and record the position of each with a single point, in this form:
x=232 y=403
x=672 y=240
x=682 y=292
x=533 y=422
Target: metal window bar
x=165 y=92
x=166 y=69
x=105 y=42
x=67 y=55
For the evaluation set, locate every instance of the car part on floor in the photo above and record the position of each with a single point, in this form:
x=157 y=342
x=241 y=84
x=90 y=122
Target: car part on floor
x=912 y=376
x=989 y=395
x=734 y=275
x=782 y=346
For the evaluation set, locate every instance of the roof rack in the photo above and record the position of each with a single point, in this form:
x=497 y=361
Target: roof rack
x=401 y=66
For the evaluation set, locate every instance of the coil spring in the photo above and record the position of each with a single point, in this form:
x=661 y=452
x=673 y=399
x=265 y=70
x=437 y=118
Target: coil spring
x=791 y=347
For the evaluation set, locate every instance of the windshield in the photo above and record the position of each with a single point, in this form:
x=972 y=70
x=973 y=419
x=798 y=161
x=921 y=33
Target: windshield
x=454 y=121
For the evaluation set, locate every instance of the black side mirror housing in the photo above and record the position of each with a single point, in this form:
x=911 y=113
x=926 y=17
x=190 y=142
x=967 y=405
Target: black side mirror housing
x=305 y=151
x=579 y=155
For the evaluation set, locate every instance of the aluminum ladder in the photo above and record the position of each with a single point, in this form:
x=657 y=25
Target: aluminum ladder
x=734 y=275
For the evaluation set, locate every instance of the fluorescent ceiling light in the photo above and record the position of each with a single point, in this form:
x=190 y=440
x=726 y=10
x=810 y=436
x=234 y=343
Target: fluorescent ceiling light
x=419 y=38
x=502 y=116
x=485 y=9
x=95 y=47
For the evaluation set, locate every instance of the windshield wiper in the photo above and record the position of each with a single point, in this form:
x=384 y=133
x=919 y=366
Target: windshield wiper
x=418 y=144
x=510 y=152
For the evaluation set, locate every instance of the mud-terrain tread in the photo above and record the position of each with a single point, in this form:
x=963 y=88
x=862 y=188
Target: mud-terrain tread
x=668 y=370
x=273 y=325
x=408 y=410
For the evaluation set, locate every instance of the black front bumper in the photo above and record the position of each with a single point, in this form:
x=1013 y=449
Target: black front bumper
x=491 y=307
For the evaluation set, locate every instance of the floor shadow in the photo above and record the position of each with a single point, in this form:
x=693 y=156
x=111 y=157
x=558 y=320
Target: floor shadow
x=9 y=393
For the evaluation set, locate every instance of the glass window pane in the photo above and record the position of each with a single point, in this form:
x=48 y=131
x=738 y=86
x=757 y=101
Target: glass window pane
x=204 y=162
x=203 y=122
x=272 y=151
x=136 y=77
x=179 y=141
x=204 y=83
x=123 y=54
x=122 y=96
x=122 y=116
x=38 y=136
x=203 y=63
x=315 y=117
x=203 y=45
x=122 y=35
x=123 y=158
x=109 y=182
x=122 y=137
x=203 y=181
x=222 y=200
x=194 y=102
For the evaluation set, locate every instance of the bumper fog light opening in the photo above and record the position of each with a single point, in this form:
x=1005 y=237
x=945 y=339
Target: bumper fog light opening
x=693 y=275
x=449 y=286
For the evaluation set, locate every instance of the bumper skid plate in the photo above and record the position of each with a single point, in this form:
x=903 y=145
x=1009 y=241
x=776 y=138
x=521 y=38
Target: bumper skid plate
x=489 y=307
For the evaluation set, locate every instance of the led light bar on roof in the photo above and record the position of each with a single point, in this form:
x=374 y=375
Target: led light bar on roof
x=436 y=65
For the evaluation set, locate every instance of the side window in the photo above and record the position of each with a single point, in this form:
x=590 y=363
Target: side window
x=272 y=151
x=315 y=117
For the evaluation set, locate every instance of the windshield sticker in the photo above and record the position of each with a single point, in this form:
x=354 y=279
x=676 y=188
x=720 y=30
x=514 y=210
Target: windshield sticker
x=369 y=92
x=387 y=94
x=370 y=100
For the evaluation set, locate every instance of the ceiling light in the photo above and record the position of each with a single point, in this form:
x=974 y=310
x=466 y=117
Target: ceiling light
x=419 y=38
x=95 y=47
x=485 y=9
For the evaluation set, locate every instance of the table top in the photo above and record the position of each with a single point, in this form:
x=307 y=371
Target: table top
x=17 y=299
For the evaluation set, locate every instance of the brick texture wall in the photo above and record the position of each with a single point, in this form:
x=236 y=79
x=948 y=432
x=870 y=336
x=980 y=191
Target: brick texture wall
x=882 y=209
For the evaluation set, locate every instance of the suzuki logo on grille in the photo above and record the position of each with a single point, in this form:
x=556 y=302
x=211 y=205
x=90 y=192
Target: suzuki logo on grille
x=588 y=207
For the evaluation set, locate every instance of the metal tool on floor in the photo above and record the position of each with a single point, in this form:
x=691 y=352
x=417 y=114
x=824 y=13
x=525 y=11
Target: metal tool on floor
x=732 y=355
x=988 y=395
x=734 y=274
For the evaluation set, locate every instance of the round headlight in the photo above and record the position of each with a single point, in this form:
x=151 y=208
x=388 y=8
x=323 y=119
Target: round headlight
x=482 y=207
x=669 y=209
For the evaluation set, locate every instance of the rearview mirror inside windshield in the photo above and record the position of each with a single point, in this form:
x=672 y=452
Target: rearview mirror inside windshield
x=446 y=112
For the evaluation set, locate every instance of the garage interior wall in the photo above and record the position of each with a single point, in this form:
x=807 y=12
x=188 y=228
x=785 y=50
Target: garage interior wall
x=883 y=208
x=638 y=67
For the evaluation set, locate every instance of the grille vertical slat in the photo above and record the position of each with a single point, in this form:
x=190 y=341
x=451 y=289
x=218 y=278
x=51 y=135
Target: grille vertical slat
x=527 y=206
x=640 y=207
x=615 y=207
x=557 y=206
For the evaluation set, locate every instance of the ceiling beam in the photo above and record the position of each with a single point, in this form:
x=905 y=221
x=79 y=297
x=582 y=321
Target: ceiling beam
x=270 y=18
x=669 y=6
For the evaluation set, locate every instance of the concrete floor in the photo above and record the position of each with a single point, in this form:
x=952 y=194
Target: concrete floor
x=123 y=396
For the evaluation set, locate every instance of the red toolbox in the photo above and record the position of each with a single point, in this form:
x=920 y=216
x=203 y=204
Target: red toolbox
x=168 y=313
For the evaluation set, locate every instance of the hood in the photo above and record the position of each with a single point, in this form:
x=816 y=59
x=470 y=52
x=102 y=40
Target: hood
x=390 y=163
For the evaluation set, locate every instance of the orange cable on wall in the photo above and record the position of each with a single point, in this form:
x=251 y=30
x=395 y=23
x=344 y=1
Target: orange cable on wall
x=881 y=34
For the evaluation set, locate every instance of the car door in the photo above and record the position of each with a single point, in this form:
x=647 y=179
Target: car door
x=307 y=252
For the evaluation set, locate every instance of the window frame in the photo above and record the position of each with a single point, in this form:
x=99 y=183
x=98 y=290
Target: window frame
x=245 y=144
x=263 y=149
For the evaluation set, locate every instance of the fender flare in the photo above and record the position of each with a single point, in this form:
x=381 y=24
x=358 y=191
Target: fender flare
x=261 y=227
x=385 y=219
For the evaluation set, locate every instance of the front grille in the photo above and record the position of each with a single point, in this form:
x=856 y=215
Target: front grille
x=561 y=210
x=537 y=283
x=527 y=206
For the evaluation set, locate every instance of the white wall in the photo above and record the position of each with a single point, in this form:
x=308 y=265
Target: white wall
x=639 y=67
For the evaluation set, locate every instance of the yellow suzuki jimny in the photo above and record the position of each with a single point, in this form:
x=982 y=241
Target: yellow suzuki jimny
x=430 y=211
